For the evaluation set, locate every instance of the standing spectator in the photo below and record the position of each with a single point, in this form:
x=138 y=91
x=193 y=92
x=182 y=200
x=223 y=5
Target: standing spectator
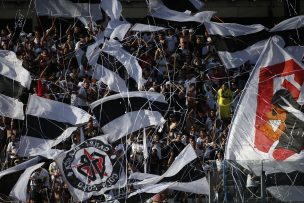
x=12 y=148
x=40 y=185
x=57 y=182
x=224 y=100
x=171 y=41
x=83 y=95
x=176 y=147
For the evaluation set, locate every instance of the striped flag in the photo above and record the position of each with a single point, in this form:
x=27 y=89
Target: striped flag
x=16 y=179
x=114 y=48
x=124 y=113
x=236 y=44
x=14 y=83
x=48 y=123
x=69 y=8
x=287 y=187
x=111 y=72
x=268 y=126
x=182 y=175
x=160 y=10
x=115 y=67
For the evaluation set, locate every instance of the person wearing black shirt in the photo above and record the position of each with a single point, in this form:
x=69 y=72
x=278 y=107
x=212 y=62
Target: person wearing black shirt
x=176 y=147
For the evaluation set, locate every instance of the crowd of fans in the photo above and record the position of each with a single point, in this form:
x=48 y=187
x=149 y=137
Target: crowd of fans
x=180 y=63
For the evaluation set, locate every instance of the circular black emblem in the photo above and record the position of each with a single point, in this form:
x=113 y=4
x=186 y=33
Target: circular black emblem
x=91 y=166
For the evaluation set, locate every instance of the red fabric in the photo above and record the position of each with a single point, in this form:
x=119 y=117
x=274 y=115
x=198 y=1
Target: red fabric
x=39 y=88
x=282 y=154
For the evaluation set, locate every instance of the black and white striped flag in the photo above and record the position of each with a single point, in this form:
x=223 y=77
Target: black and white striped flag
x=115 y=67
x=15 y=179
x=286 y=186
x=69 y=8
x=167 y=11
x=111 y=72
x=124 y=113
x=236 y=44
x=129 y=62
x=48 y=123
x=183 y=175
x=14 y=83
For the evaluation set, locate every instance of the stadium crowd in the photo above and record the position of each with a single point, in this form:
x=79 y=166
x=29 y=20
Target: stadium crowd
x=180 y=63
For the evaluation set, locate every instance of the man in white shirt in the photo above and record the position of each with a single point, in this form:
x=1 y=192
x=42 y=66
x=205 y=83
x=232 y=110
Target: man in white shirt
x=82 y=96
x=11 y=149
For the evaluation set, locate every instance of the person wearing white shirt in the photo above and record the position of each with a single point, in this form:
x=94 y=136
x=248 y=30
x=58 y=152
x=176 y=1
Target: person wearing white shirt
x=82 y=96
x=11 y=150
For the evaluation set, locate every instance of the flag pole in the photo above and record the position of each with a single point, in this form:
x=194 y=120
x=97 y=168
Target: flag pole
x=210 y=178
x=262 y=184
x=145 y=150
x=225 y=181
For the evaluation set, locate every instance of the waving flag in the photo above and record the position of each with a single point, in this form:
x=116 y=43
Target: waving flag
x=14 y=83
x=16 y=179
x=159 y=10
x=91 y=169
x=130 y=62
x=182 y=175
x=70 y=8
x=48 y=123
x=115 y=67
x=269 y=122
x=124 y=113
x=236 y=44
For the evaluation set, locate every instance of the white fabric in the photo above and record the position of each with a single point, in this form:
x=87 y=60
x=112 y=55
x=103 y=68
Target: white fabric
x=80 y=195
x=131 y=122
x=159 y=10
x=19 y=191
x=138 y=27
x=20 y=167
x=289 y=24
x=232 y=29
x=152 y=96
x=110 y=78
x=198 y=4
x=172 y=15
x=141 y=176
x=33 y=146
x=252 y=53
x=240 y=145
x=287 y=193
x=185 y=157
x=112 y=8
x=199 y=186
x=120 y=31
x=154 y=189
x=49 y=109
x=68 y=9
x=11 y=108
x=112 y=24
x=130 y=62
x=93 y=51
x=82 y=102
x=11 y=67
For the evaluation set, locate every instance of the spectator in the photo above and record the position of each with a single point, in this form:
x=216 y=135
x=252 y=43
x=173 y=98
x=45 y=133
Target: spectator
x=12 y=148
x=40 y=186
